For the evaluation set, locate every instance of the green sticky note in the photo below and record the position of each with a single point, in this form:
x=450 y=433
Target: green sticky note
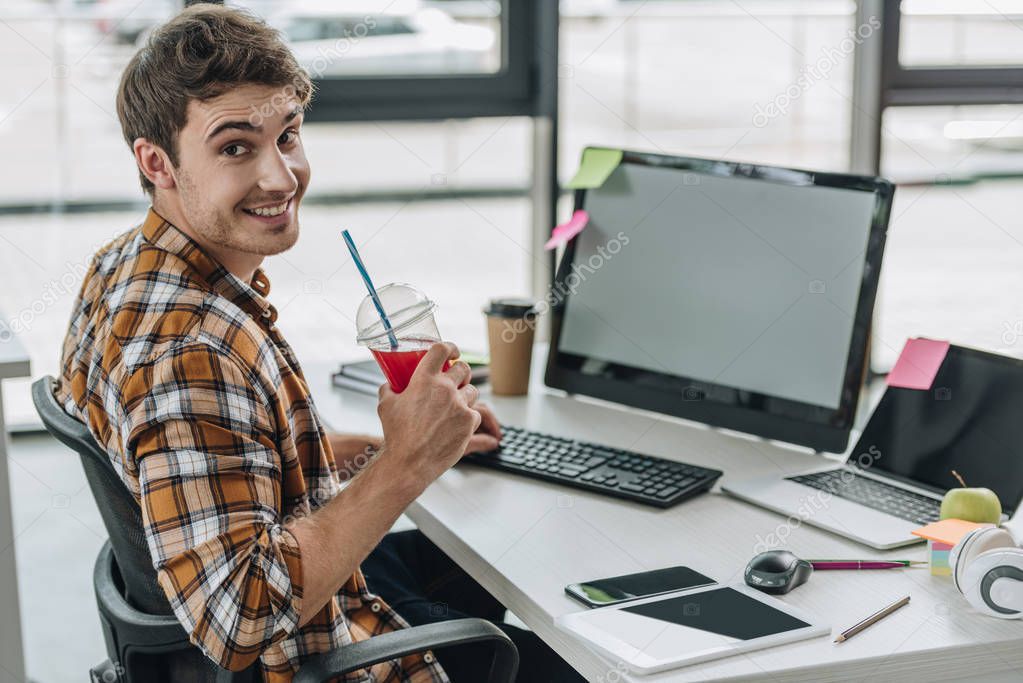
x=594 y=169
x=474 y=360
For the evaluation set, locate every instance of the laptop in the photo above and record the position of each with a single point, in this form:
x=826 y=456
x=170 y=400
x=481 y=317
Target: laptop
x=893 y=480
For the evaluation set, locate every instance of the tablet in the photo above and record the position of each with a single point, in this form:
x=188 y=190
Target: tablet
x=699 y=625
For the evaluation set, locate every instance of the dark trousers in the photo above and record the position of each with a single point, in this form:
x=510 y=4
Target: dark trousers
x=424 y=586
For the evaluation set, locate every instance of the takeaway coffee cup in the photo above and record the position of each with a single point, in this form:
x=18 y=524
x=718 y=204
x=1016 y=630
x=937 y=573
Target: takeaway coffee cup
x=510 y=326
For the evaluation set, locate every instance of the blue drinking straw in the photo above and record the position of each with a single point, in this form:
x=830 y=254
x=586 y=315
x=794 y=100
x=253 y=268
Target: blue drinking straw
x=372 y=290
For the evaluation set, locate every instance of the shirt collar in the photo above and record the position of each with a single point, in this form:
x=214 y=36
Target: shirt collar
x=250 y=297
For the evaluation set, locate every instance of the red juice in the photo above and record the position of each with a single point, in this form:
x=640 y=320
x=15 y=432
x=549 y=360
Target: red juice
x=398 y=365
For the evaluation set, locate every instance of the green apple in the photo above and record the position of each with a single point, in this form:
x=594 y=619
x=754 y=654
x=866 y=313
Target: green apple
x=971 y=504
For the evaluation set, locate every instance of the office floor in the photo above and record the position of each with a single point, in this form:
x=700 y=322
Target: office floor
x=951 y=271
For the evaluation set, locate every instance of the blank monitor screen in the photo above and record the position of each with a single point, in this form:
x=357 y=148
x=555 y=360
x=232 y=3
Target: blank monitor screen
x=729 y=280
x=748 y=283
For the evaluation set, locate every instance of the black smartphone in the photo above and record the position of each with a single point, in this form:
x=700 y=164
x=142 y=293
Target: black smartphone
x=603 y=592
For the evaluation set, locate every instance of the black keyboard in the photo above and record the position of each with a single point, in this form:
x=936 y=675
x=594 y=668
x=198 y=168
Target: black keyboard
x=611 y=471
x=874 y=494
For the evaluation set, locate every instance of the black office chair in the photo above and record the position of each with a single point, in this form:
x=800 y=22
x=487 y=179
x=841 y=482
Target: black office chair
x=144 y=640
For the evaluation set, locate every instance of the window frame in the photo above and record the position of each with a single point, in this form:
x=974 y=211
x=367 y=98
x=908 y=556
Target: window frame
x=511 y=91
x=940 y=85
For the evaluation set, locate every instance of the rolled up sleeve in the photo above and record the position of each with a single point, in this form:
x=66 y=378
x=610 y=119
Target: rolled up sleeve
x=209 y=474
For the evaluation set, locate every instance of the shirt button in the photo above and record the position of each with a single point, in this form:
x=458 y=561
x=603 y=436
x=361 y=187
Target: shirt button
x=428 y=658
x=375 y=607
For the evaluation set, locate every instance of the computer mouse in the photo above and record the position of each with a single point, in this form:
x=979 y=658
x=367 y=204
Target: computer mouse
x=777 y=571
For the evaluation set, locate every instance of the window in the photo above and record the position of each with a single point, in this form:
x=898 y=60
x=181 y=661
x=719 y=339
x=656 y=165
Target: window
x=961 y=33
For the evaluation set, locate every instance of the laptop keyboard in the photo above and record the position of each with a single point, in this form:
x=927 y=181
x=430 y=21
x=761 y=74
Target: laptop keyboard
x=874 y=494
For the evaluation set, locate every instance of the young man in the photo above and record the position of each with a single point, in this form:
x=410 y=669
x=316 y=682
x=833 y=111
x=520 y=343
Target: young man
x=174 y=361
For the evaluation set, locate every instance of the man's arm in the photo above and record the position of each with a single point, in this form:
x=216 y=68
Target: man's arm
x=210 y=481
x=335 y=539
x=426 y=430
x=238 y=577
x=351 y=452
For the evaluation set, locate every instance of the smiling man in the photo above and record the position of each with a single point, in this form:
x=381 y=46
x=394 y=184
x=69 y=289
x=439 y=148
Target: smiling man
x=174 y=361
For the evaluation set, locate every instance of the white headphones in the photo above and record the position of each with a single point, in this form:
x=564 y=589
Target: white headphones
x=987 y=568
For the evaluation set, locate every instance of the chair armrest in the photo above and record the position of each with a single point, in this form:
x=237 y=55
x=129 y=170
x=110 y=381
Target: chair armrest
x=407 y=641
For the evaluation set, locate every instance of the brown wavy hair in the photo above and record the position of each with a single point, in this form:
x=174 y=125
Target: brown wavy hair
x=200 y=54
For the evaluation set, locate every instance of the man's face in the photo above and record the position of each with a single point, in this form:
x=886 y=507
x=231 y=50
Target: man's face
x=242 y=171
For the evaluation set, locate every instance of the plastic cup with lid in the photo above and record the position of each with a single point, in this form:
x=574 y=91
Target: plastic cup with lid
x=411 y=314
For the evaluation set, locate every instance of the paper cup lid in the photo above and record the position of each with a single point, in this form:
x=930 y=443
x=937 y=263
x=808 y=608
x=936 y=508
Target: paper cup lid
x=511 y=307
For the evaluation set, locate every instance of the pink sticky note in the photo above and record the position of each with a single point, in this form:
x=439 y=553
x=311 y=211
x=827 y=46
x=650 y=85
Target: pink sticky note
x=918 y=364
x=561 y=234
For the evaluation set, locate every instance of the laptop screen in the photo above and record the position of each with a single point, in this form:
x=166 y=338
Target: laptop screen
x=970 y=421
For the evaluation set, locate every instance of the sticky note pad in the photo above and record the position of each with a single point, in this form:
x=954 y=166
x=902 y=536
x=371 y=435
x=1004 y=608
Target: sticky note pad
x=941 y=538
x=939 y=558
x=596 y=165
x=939 y=564
x=567 y=230
x=947 y=531
x=918 y=364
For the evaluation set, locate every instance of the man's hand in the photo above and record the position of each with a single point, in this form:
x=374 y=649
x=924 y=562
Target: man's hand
x=427 y=427
x=488 y=435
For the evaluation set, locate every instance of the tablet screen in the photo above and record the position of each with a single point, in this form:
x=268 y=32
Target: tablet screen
x=724 y=611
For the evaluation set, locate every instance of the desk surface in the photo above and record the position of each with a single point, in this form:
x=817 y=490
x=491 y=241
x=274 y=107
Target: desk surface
x=524 y=540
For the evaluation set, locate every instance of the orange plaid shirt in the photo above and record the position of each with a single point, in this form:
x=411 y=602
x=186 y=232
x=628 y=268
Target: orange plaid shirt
x=180 y=373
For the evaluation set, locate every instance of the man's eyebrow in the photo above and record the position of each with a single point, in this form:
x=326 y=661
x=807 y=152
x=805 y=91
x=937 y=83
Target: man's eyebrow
x=236 y=125
x=248 y=126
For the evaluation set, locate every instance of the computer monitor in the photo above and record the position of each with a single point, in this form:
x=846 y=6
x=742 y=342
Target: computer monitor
x=733 y=294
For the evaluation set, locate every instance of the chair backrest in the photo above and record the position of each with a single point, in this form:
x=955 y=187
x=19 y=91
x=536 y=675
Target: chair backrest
x=133 y=565
x=121 y=514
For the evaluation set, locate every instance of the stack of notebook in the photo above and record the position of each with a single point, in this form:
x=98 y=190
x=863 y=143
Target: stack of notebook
x=366 y=377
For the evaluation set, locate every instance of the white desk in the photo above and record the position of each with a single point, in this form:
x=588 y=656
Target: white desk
x=525 y=540
x=13 y=363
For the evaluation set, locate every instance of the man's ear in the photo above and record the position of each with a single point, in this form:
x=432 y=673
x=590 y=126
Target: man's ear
x=154 y=163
